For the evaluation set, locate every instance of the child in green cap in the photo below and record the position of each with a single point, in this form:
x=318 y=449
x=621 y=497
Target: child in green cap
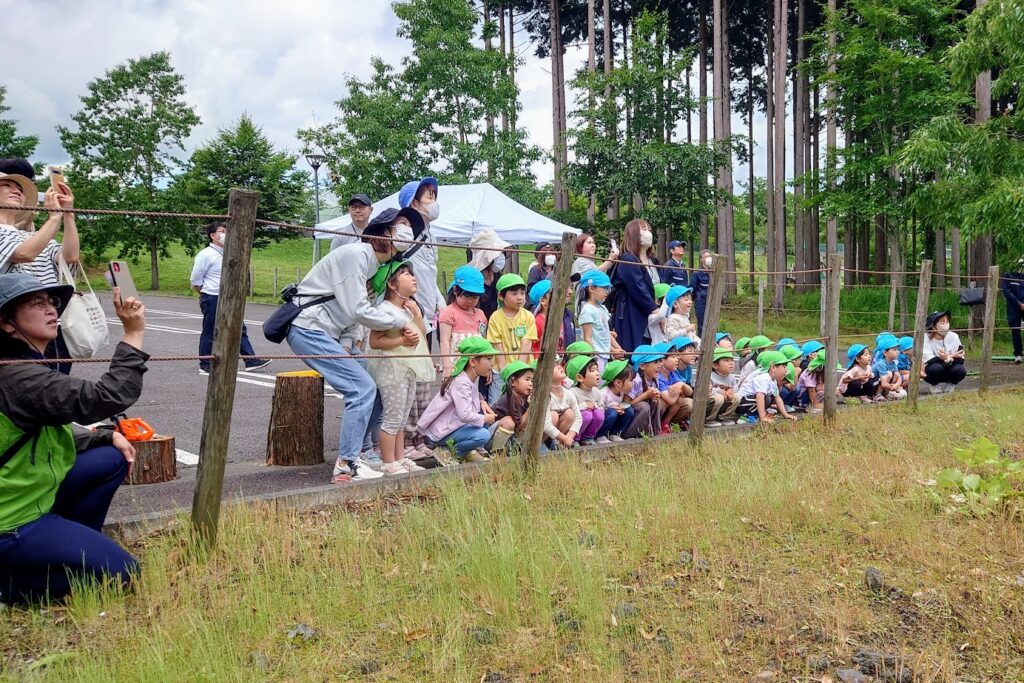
x=725 y=384
x=811 y=383
x=756 y=346
x=617 y=379
x=584 y=373
x=512 y=329
x=515 y=400
x=761 y=389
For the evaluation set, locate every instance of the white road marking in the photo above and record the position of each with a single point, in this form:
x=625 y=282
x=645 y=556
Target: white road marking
x=160 y=328
x=182 y=314
x=243 y=374
x=186 y=458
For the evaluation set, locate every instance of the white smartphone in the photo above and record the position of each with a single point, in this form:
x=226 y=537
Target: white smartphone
x=121 y=277
x=615 y=245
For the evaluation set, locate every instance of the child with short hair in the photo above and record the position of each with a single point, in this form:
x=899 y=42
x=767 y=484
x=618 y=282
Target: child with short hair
x=457 y=414
x=594 y=319
x=905 y=362
x=761 y=388
x=675 y=393
x=686 y=352
x=741 y=349
x=563 y=419
x=723 y=340
x=644 y=394
x=461 y=318
x=810 y=350
x=679 y=301
x=886 y=369
x=726 y=385
x=787 y=389
x=577 y=348
x=584 y=374
x=757 y=345
x=619 y=414
x=859 y=380
x=512 y=329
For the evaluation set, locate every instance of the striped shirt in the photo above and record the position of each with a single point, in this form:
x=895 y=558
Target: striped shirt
x=43 y=267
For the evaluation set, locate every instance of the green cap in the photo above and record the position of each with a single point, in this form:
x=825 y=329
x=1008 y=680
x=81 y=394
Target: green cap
x=612 y=371
x=791 y=352
x=742 y=343
x=576 y=366
x=660 y=290
x=579 y=347
x=514 y=368
x=759 y=342
x=510 y=280
x=721 y=353
x=817 y=362
x=472 y=346
x=770 y=358
x=791 y=373
x=379 y=282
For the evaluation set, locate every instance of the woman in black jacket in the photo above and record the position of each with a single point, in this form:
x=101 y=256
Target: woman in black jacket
x=57 y=480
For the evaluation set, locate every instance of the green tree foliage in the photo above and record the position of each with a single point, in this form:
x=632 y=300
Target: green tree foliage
x=975 y=171
x=132 y=122
x=428 y=115
x=12 y=144
x=242 y=156
x=669 y=177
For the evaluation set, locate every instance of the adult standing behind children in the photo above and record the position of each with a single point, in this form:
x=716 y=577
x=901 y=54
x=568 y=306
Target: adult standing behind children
x=631 y=278
x=586 y=249
x=487 y=254
x=205 y=280
x=359 y=209
x=674 y=271
x=421 y=195
x=333 y=327
x=1013 y=291
x=700 y=282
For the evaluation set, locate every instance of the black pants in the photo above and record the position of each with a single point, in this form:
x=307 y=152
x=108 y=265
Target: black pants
x=869 y=388
x=937 y=372
x=1013 y=316
x=208 y=305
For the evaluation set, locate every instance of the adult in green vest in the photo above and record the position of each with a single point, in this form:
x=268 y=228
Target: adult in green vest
x=57 y=479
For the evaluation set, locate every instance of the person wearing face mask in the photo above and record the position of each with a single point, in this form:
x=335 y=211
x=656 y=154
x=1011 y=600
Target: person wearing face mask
x=542 y=268
x=421 y=195
x=700 y=281
x=205 y=281
x=488 y=257
x=942 y=355
x=1013 y=290
x=633 y=286
x=359 y=208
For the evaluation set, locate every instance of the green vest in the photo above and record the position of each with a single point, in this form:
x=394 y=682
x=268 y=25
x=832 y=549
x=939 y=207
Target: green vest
x=29 y=480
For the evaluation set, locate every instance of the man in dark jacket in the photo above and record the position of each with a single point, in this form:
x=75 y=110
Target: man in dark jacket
x=1013 y=290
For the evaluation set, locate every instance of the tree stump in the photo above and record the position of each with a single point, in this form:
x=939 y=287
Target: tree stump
x=296 y=432
x=155 y=461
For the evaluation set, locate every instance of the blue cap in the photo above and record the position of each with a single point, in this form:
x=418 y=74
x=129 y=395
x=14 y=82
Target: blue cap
x=811 y=346
x=469 y=279
x=906 y=343
x=537 y=292
x=674 y=293
x=595 y=278
x=409 y=190
x=665 y=347
x=680 y=343
x=645 y=353
x=887 y=341
x=853 y=352
x=719 y=336
x=785 y=341
x=881 y=336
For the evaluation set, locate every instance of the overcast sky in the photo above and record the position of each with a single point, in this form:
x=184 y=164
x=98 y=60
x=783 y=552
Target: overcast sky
x=282 y=62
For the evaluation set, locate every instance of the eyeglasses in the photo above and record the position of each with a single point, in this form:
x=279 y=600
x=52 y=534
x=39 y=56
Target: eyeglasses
x=43 y=302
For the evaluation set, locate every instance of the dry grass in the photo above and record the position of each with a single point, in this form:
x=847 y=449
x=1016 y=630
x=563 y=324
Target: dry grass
x=670 y=564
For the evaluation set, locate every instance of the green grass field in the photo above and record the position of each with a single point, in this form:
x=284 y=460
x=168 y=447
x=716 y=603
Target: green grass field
x=664 y=564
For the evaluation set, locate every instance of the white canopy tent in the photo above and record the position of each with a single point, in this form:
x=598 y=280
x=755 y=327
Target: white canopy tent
x=468 y=209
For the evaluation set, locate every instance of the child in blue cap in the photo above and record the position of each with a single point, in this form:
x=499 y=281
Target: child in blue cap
x=887 y=370
x=676 y=394
x=594 y=318
x=679 y=301
x=461 y=318
x=905 y=362
x=644 y=395
x=859 y=380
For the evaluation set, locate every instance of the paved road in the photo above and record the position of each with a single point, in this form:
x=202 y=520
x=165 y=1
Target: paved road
x=174 y=394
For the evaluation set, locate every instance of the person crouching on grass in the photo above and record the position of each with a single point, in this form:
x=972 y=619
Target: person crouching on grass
x=644 y=394
x=725 y=385
x=905 y=362
x=761 y=389
x=617 y=378
x=811 y=384
x=514 y=402
x=584 y=372
x=859 y=379
x=564 y=419
x=675 y=394
x=887 y=370
x=457 y=415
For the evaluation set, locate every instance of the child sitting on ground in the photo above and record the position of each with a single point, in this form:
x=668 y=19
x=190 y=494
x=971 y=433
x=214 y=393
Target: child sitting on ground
x=656 y=320
x=584 y=374
x=457 y=416
x=618 y=413
x=515 y=400
x=905 y=362
x=859 y=380
x=756 y=346
x=761 y=389
x=811 y=385
x=594 y=318
x=886 y=369
x=512 y=329
x=787 y=389
x=723 y=340
x=741 y=349
x=810 y=349
x=644 y=394
x=679 y=301
x=675 y=393
x=461 y=318
x=724 y=384
x=563 y=420
x=686 y=350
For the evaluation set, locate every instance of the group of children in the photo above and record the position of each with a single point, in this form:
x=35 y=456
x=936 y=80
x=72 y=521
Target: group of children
x=600 y=393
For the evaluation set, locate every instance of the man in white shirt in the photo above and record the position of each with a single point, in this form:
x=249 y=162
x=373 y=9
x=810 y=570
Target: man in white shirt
x=205 y=281
x=359 y=208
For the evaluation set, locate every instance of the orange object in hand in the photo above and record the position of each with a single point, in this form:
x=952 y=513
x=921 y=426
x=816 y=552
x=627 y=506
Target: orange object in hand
x=135 y=429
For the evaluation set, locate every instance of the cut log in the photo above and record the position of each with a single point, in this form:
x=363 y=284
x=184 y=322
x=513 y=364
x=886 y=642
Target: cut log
x=155 y=461
x=296 y=432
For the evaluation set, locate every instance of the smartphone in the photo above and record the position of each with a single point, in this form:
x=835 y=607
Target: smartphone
x=615 y=245
x=56 y=174
x=121 y=277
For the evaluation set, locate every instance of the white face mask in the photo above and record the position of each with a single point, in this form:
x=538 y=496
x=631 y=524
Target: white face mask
x=403 y=237
x=646 y=238
x=433 y=211
x=498 y=263
x=942 y=328
x=708 y=261
x=549 y=260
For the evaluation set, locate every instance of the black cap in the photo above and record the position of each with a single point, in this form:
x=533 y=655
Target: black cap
x=17 y=166
x=382 y=221
x=360 y=199
x=933 y=318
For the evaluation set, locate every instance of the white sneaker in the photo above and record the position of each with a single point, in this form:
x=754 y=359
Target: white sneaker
x=948 y=387
x=1018 y=360
x=713 y=423
x=602 y=439
x=393 y=468
x=934 y=389
x=365 y=472
x=615 y=437
x=409 y=466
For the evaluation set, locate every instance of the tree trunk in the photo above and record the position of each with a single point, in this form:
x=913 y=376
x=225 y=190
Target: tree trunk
x=512 y=61
x=864 y=251
x=799 y=144
x=849 y=248
x=489 y=116
x=612 y=211
x=939 y=278
x=814 y=229
x=295 y=435
x=750 y=167
x=702 y=94
x=502 y=43
x=727 y=178
x=881 y=247
x=832 y=228
x=156 y=461
x=591 y=68
x=154 y=256
x=770 y=150
x=781 y=33
x=557 y=107
x=981 y=249
x=718 y=127
x=954 y=256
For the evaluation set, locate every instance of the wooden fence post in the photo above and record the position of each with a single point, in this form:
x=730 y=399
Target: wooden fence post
x=702 y=384
x=220 y=392
x=822 y=306
x=276 y=288
x=760 y=305
x=920 y=315
x=534 y=430
x=991 y=299
x=833 y=285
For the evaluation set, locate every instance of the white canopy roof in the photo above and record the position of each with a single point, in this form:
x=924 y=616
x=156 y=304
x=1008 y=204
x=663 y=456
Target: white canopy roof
x=468 y=209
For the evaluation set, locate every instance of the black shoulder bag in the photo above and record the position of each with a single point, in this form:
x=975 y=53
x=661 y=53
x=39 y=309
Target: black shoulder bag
x=276 y=327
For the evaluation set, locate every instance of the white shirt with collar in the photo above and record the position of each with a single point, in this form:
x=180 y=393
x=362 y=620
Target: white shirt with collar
x=206 y=269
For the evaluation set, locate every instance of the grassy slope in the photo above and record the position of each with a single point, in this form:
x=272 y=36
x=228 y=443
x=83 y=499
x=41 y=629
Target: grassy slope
x=579 y=575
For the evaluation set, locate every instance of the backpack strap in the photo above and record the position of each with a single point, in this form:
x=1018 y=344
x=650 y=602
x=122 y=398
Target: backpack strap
x=315 y=302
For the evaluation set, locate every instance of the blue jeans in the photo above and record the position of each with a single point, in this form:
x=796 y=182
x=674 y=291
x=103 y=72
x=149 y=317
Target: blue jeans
x=789 y=396
x=43 y=557
x=208 y=305
x=347 y=376
x=614 y=423
x=466 y=438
